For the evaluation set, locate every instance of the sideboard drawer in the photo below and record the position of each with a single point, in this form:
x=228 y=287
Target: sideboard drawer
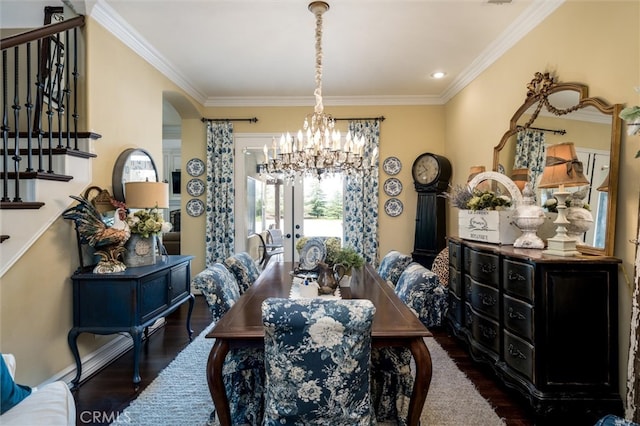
x=485 y=331
x=519 y=355
x=455 y=255
x=518 y=317
x=484 y=299
x=455 y=309
x=455 y=281
x=518 y=279
x=484 y=267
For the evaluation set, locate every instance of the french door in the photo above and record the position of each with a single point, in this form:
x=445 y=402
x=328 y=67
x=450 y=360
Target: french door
x=304 y=208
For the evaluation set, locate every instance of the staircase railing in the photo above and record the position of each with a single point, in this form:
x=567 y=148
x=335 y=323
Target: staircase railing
x=40 y=70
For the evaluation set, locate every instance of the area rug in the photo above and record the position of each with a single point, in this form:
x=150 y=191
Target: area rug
x=180 y=396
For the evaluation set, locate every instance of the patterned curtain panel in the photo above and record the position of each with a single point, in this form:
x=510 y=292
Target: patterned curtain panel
x=530 y=153
x=220 y=226
x=361 y=196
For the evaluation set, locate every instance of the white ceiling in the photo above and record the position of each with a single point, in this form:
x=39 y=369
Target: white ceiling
x=261 y=52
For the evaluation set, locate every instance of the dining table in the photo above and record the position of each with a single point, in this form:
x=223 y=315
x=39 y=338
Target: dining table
x=394 y=325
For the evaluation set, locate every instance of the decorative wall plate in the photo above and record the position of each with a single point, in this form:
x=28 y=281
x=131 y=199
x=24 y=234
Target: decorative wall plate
x=195 y=207
x=195 y=167
x=391 y=165
x=313 y=252
x=195 y=187
x=393 y=207
x=392 y=187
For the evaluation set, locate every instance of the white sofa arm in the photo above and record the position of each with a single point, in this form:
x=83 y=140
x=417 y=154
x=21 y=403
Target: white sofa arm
x=10 y=360
x=49 y=405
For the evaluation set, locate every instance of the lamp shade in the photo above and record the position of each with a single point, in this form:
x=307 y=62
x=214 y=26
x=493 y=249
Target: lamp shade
x=562 y=167
x=604 y=186
x=146 y=195
x=474 y=170
x=520 y=177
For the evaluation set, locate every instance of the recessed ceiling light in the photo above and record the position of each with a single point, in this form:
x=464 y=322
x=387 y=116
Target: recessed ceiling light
x=438 y=74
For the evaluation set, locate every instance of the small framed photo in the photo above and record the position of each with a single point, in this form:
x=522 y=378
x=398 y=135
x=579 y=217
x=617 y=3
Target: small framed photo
x=53 y=91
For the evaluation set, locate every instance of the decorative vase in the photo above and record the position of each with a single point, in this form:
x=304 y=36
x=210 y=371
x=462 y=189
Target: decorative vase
x=141 y=251
x=580 y=221
x=528 y=218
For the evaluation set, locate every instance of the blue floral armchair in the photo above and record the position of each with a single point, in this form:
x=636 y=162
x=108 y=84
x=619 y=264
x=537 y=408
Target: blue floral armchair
x=244 y=268
x=392 y=380
x=317 y=355
x=243 y=368
x=393 y=265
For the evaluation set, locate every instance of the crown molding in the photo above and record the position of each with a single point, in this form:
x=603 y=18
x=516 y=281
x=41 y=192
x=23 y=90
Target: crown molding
x=112 y=22
x=529 y=19
x=536 y=13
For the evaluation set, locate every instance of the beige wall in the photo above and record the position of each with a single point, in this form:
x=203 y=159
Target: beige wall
x=125 y=107
x=580 y=46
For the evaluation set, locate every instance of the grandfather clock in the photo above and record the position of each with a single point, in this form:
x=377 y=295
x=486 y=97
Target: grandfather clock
x=431 y=174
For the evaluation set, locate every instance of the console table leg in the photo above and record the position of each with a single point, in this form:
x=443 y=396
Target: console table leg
x=191 y=303
x=136 y=335
x=72 y=339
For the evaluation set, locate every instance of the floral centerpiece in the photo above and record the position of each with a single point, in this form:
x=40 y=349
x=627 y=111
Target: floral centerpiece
x=465 y=198
x=148 y=222
x=145 y=225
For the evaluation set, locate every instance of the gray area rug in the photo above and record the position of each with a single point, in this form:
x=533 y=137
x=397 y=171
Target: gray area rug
x=180 y=396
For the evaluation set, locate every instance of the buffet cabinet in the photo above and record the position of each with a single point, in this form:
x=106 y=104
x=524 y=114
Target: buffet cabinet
x=129 y=302
x=547 y=325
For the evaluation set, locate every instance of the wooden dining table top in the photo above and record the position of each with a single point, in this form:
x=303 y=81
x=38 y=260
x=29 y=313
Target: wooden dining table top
x=393 y=320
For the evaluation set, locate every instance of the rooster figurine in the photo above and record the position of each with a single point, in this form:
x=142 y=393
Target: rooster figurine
x=108 y=241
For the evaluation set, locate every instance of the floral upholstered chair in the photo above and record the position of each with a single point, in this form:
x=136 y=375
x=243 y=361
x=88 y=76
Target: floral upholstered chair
x=243 y=368
x=391 y=377
x=317 y=357
x=244 y=268
x=421 y=290
x=393 y=265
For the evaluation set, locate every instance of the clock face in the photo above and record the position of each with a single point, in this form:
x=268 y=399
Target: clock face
x=425 y=169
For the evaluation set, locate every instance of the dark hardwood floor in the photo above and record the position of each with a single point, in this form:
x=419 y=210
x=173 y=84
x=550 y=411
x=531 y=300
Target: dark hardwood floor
x=100 y=398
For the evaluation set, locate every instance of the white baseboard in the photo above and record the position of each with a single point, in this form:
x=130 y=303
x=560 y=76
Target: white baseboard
x=98 y=359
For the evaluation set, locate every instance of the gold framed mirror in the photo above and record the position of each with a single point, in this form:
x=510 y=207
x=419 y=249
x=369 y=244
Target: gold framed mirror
x=563 y=112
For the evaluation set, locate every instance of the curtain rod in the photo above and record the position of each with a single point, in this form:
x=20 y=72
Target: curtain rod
x=381 y=118
x=555 y=132
x=251 y=120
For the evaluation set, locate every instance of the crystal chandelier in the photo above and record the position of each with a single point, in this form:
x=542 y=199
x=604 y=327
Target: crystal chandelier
x=318 y=149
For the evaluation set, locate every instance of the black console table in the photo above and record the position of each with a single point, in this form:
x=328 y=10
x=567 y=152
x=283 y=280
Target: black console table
x=129 y=301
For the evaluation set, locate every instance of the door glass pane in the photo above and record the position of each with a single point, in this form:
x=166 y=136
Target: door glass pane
x=323 y=207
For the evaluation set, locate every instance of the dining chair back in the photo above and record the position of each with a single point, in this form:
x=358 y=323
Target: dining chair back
x=317 y=361
x=243 y=369
x=257 y=248
x=391 y=377
x=244 y=268
x=393 y=265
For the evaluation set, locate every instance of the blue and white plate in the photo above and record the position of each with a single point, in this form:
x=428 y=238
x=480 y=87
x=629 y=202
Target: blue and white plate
x=312 y=253
x=391 y=165
x=393 y=207
x=195 y=187
x=195 y=167
x=392 y=187
x=195 y=207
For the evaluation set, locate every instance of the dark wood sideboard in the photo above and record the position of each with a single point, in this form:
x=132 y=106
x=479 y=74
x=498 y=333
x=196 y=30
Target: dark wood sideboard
x=129 y=301
x=547 y=325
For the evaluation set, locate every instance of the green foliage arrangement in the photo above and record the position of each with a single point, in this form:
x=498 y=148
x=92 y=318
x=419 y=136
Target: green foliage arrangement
x=349 y=258
x=465 y=198
x=147 y=222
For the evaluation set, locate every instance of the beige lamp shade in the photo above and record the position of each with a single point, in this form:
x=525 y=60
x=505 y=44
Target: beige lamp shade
x=562 y=167
x=146 y=195
x=520 y=177
x=474 y=170
x=604 y=186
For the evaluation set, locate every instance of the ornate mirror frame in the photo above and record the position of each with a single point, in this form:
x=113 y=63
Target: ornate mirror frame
x=132 y=165
x=538 y=92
